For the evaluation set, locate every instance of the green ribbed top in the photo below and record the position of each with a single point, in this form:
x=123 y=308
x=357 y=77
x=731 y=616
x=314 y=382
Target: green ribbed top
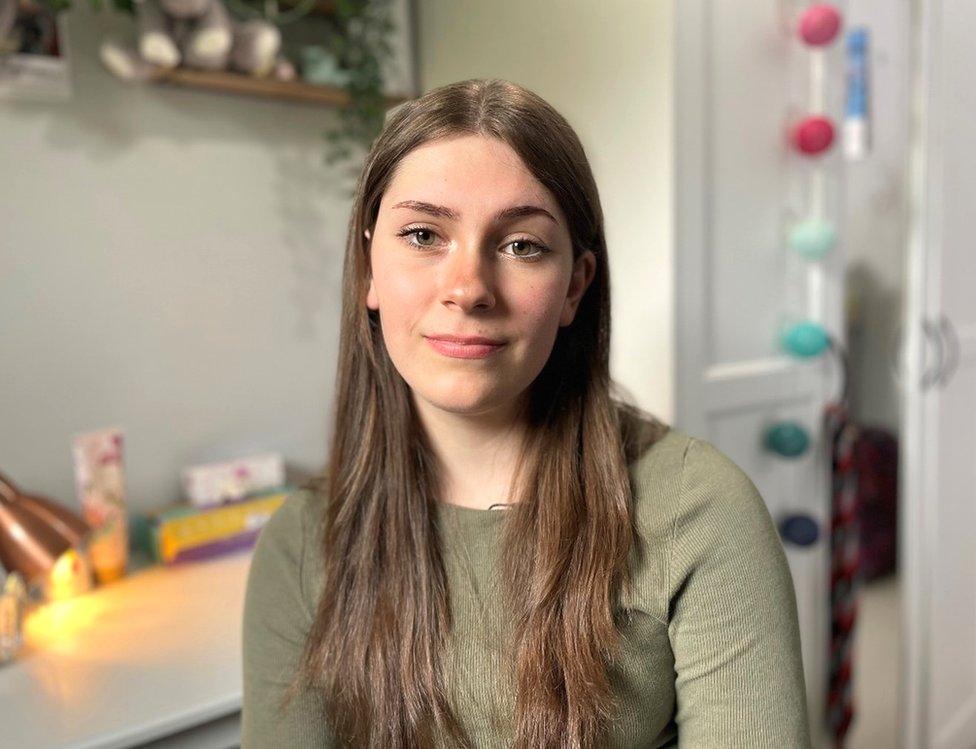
x=710 y=653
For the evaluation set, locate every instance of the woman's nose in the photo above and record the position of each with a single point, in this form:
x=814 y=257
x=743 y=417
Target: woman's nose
x=468 y=279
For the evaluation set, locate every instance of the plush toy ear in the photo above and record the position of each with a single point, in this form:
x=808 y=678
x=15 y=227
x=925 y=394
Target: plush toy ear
x=256 y=45
x=125 y=63
x=208 y=47
x=156 y=43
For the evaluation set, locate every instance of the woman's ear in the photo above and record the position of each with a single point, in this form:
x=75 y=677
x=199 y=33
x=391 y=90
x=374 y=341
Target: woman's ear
x=584 y=269
x=367 y=234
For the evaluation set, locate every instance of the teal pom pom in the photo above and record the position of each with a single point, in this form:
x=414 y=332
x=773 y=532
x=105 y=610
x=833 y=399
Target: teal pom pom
x=787 y=438
x=805 y=339
x=813 y=238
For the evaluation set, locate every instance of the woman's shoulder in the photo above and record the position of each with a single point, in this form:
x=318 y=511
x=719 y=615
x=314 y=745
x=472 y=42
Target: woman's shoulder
x=718 y=501
x=694 y=506
x=292 y=521
x=655 y=478
x=680 y=475
x=284 y=554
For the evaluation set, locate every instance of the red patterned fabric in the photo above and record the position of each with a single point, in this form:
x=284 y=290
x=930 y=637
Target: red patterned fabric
x=845 y=579
x=876 y=457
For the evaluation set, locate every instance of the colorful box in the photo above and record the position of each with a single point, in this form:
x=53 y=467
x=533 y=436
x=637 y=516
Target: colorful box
x=183 y=532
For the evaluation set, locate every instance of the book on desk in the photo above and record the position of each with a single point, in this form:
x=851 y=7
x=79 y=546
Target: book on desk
x=184 y=532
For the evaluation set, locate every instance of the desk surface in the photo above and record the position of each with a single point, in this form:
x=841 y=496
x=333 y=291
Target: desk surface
x=156 y=652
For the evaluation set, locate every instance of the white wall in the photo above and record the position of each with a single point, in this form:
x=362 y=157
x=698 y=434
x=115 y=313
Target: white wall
x=169 y=262
x=876 y=214
x=607 y=68
x=170 y=259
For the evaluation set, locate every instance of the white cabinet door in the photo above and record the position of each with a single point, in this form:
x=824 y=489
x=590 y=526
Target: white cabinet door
x=938 y=521
x=741 y=78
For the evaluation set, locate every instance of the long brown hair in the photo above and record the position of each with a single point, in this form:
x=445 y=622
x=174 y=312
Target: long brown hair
x=373 y=651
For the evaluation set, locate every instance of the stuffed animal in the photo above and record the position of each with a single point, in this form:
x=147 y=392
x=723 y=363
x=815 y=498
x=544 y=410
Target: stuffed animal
x=198 y=34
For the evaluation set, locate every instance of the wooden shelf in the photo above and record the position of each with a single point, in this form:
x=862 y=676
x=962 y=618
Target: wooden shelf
x=267 y=87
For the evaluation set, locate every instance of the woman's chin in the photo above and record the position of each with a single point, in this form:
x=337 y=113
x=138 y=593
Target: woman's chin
x=466 y=401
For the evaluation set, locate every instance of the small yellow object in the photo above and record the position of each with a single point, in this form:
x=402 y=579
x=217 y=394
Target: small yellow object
x=186 y=532
x=70 y=576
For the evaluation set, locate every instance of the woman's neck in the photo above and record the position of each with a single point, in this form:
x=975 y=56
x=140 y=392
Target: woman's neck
x=476 y=454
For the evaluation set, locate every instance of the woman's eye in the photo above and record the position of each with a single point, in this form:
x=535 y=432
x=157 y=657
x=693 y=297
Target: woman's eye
x=528 y=245
x=418 y=236
x=415 y=232
x=419 y=233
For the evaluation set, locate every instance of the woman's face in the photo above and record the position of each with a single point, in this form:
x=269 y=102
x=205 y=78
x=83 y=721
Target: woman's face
x=449 y=257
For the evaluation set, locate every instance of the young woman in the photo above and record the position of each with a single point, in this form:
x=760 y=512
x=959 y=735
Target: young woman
x=500 y=552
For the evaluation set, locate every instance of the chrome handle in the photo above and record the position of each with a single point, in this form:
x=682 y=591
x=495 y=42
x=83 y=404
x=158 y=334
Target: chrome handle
x=945 y=324
x=930 y=378
x=944 y=366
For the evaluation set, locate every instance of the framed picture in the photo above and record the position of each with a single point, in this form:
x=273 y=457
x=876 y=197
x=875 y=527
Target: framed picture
x=33 y=53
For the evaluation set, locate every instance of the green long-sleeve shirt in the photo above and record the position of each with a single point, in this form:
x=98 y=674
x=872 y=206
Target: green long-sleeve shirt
x=710 y=656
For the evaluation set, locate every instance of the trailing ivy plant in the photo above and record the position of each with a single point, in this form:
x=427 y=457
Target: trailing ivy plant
x=360 y=42
x=359 y=33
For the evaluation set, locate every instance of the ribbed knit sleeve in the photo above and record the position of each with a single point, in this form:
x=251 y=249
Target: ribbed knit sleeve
x=276 y=621
x=732 y=617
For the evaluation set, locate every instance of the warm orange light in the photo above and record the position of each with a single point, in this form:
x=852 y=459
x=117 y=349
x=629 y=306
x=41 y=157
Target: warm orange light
x=60 y=626
x=70 y=576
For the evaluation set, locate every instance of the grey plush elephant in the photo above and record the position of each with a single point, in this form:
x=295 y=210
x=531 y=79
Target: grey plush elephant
x=199 y=34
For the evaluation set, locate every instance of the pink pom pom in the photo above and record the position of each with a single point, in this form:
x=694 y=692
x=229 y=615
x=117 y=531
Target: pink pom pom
x=819 y=24
x=813 y=135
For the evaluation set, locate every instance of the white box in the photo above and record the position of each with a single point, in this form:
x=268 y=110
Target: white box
x=214 y=483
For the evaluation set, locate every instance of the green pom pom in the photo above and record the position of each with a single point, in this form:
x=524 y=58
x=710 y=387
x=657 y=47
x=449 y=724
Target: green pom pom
x=787 y=438
x=813 y=238
x=805 y=339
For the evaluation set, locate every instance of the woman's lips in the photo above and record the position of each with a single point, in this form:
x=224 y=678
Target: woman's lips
x=464 y=350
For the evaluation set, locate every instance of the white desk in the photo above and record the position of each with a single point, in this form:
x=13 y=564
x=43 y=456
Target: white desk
x=154 y=655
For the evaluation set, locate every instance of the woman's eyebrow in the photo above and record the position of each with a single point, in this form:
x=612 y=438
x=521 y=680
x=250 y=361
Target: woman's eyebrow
x=516 y=211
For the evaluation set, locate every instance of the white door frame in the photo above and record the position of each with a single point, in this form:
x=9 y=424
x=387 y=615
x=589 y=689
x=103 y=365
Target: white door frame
x=937 y=523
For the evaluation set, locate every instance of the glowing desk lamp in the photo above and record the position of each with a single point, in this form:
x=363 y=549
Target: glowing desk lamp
x=43 y=541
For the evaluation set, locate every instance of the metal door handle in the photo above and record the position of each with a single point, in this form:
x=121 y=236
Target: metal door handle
x=945 y=324
x=895 y=346
x=930 y=378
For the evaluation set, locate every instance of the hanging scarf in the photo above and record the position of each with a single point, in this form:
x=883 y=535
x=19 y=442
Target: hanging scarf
x=841 y=435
